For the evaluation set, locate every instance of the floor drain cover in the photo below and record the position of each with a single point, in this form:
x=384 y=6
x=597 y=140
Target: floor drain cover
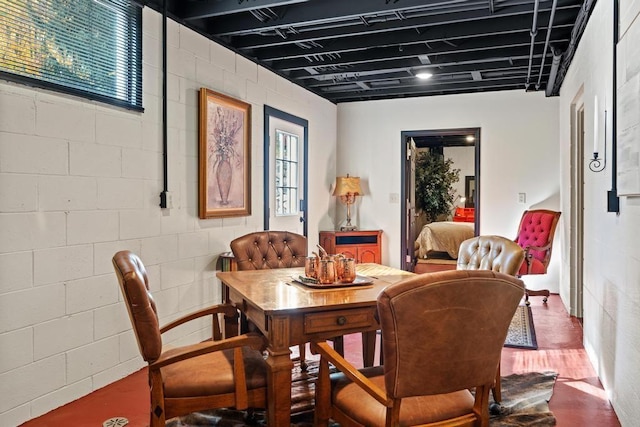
x=115 y=422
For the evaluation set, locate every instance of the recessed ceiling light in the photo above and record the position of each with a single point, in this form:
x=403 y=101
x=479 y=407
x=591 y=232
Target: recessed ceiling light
x=424 y=76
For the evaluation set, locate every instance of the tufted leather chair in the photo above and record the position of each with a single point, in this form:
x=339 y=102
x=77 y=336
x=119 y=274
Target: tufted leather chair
x=220 y=373
x=490 y=253
x=269 y=249
x=535 y=235
x=494 y=253
x=263 y=250
x=442 y=335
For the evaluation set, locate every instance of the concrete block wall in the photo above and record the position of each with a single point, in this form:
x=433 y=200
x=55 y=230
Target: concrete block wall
x=80 y=180
x=609 y=289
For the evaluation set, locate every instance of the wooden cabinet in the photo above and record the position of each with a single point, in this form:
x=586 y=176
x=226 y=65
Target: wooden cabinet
x=363 y=245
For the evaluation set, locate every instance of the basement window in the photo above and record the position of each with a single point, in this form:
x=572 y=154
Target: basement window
x=88 y=48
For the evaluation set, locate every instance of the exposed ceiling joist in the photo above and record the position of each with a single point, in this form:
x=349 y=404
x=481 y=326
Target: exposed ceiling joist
x=348 y=50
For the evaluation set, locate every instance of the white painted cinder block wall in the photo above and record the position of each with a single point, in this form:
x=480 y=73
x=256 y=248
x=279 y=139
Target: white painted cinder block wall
x=611 y=293
x=80 y=180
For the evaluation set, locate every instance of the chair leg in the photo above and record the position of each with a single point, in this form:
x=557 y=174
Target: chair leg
x=496 y=391
x=542 y=292
x=302 y=349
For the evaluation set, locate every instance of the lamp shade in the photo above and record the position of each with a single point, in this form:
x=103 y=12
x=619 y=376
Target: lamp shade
x=347 y=185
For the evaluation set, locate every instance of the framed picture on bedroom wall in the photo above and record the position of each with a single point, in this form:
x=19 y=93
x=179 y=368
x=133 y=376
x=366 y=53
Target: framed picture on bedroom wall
x=470 y=191
x=224 y=163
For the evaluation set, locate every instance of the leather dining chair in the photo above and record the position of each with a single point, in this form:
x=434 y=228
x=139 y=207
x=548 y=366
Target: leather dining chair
x=442 y=336
x=272 y=249
x=535 y=235
x=494 y=253
x=219 y=373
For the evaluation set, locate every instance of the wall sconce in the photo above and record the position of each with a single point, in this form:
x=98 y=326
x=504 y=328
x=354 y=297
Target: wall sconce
x=596 y=164
x=347 y=188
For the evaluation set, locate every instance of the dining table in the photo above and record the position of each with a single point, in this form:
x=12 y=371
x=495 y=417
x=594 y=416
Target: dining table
x=288 y=311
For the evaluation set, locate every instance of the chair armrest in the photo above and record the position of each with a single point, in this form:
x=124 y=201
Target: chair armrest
x=253 y=340
x=226 y=309
x=537 y=248
x=351 y=372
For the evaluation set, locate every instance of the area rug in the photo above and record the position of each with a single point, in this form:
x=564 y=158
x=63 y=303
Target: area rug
x=525 y=400
x=525 y=404
x=521 y=331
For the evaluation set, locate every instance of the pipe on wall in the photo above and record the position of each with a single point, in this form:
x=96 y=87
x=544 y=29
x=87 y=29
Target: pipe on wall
x=613 y=201
x=164 y=196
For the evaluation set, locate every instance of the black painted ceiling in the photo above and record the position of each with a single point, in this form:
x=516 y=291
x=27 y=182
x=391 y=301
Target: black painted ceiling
x=354 y=50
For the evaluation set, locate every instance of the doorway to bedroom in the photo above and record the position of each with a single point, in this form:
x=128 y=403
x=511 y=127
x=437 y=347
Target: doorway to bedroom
x=436 y=216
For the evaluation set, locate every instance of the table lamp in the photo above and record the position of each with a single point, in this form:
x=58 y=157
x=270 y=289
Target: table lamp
x=347 y=188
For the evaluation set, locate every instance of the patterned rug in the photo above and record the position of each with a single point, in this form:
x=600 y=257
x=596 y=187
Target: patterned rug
x=525 y=399
x=521 y=331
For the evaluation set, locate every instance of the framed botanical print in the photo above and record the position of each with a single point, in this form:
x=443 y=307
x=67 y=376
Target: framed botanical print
x=224 y=156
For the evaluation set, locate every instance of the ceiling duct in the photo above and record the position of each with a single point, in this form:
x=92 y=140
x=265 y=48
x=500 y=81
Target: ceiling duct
x=555 y=64
x=546 y=44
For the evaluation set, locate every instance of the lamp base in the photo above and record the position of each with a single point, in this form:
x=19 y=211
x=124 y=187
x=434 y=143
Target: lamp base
x=348 y=228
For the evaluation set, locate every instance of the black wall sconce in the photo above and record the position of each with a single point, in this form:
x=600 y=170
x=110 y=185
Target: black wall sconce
x=597 y=164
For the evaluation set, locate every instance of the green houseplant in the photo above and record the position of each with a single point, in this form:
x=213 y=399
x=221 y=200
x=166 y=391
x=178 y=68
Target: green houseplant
x=435 y=179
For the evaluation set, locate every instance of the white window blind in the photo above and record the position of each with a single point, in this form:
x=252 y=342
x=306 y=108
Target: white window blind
x=90 y=48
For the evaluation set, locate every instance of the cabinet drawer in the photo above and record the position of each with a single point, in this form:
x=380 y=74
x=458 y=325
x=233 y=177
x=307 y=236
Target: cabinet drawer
x=339 y=320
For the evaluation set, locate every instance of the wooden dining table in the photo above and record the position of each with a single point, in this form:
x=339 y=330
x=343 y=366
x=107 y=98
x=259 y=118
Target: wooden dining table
x=290 y=313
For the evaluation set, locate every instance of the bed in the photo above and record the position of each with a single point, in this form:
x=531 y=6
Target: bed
x=442 y=238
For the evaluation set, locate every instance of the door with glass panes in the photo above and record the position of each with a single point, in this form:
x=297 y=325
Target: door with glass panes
x=286 y=176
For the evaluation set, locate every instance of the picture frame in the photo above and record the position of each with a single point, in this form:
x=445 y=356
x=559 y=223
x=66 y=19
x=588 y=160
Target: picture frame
x=224 y=156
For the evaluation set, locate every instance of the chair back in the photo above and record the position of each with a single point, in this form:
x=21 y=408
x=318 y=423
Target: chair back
x=535 y=235
x=134 y=285
x=263 y=250
x=444 y=331
x=494 y=253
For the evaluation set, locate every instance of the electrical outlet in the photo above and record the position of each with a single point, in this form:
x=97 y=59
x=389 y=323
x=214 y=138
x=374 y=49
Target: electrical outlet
x=522 y=197
x=394 y=198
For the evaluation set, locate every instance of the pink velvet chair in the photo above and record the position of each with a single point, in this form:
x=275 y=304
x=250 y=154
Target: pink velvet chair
x=535 y=236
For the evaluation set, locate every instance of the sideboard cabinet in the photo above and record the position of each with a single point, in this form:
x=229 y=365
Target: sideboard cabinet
x=363 y=245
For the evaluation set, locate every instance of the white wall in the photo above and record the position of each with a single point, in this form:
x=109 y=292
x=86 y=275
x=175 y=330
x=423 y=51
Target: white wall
x=80 y=180
x=611 y=260
x=519 y=154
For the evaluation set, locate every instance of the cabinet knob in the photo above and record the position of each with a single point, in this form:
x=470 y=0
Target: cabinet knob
x=341 y=320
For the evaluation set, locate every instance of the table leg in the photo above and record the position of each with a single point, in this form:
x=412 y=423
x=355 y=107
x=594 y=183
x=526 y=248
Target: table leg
x=368 y=347
x=279 y=388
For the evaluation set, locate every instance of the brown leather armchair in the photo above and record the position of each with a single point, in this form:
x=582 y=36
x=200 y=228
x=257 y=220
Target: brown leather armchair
x=271 y=249
x=442 y=335
x=221 y=373
x=494 y=253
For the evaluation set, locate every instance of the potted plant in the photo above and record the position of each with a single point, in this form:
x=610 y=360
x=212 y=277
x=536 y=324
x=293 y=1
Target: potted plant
x=435 y=179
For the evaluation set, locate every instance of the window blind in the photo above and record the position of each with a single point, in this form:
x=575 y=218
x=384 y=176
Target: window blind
x=90 y=48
